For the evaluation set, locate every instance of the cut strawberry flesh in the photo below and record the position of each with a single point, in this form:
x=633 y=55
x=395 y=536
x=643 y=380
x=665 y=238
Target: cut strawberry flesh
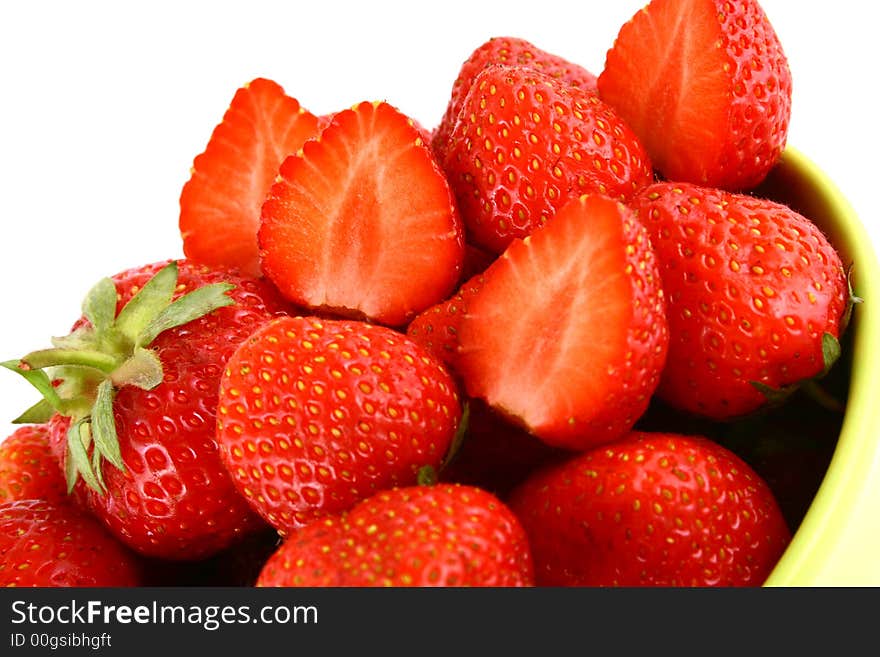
x=549 y=339
x=668 y=78
x=220 y=204
x=362 y=221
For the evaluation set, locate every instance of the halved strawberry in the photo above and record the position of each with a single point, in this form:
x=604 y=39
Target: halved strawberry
x=568 y=334
x=706 y=86
x=220 y=204
x=362 y=221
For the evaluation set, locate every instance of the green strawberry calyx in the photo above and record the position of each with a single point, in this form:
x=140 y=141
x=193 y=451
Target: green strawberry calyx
x=428 y=475
x=831 y=351
x=78 y=376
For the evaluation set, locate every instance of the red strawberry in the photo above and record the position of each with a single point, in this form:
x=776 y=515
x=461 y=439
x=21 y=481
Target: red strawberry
x=509 y=51
x=28 y=469
x=755 y=295
x=139 y=388
x=362 y=221
x=315 y=415
x=651 y=510
x=525 y=143
x=568 y=334
x=48 y=544
x=706 y=86
x=436 y=329
x=443 y=535
x=220 y=204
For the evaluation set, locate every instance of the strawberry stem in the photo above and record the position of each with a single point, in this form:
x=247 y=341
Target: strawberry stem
x=37 y=360
x=94 y=361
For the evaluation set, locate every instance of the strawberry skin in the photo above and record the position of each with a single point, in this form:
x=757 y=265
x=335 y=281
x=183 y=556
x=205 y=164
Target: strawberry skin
x=362 y=222
x=651 y=510
x=525 y=143
x=442 y=535
x=436 y=329
x=28 y=469
x=706 y=86
x=55 y=545
x=315 y=415
x=509 y=51
x=175 y=499
x=568 y=335
x=220 y=203
x=751 y=288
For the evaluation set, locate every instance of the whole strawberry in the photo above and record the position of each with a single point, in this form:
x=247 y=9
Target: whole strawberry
x=756 y=297
x=28 y=469
x=651 y=510
x=706 y=86
x=441 y=535
x=511 y=51
x=315 y=415
x=132 y=396
x=525 y=143
x=47 y=544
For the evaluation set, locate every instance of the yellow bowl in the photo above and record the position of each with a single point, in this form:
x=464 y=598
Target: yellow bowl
x=838 y=540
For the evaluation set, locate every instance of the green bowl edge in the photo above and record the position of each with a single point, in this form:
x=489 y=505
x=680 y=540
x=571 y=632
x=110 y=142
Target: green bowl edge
x=845 y=514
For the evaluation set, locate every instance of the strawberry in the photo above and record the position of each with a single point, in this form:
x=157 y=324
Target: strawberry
x=135 y=386
x=436 y=329
x=525 y=143
x=706 y=86
x=442 y=535
x=362 y=222
x=567 y=336
x=28 y=469
x=220 y=203
x=651 y=510
x=509 y=51
x=315 y=415
x=756 y=296
x=53 y=544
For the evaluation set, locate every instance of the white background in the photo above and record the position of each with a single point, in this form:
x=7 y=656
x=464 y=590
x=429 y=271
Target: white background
x=104 y=106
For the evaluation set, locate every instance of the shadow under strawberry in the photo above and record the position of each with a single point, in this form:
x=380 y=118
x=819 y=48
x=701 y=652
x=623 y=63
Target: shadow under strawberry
x=237 y=566
x=495 y=454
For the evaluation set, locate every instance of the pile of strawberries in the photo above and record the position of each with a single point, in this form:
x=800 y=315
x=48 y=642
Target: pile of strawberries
x=408 y=357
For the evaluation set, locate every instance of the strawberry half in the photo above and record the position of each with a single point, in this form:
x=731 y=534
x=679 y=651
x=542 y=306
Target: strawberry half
x=362 y=222
x=510 y=51
x=568 y=334
x=706 y=86
x=220 y=204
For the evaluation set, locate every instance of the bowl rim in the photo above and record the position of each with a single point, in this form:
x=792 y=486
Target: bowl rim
x=838 y=540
